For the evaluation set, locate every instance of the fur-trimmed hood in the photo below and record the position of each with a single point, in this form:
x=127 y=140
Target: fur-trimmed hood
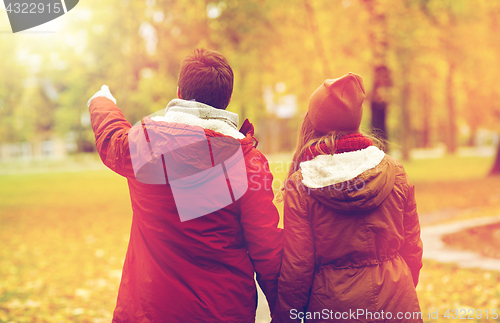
x=352 y=181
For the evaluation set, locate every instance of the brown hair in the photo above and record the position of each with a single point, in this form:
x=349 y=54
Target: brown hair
x=309 y=137
x=206 y=77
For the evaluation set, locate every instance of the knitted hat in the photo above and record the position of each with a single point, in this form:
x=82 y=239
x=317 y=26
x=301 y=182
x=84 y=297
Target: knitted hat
x=337 y=104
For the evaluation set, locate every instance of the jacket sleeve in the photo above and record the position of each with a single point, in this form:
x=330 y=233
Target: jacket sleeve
x=111 y=131
x=412 y=248
x=259 y=219
x=297 y=266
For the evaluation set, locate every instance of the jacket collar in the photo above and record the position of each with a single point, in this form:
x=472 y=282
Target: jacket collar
x=202 y=111
x=198 y=114
x=326 y=170
x=351 y=182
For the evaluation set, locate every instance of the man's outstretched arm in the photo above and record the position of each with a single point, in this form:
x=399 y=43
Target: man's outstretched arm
x=111 y=132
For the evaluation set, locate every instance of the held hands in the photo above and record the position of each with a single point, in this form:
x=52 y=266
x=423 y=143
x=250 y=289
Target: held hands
x=104 y=91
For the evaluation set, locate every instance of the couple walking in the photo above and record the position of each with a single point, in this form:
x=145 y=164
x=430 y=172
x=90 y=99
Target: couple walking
x=204 y=222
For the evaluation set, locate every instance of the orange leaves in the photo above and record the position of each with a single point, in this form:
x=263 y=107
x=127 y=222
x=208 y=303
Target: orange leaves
x=62 y=246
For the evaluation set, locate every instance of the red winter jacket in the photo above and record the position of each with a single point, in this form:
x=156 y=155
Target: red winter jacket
x=200 y=269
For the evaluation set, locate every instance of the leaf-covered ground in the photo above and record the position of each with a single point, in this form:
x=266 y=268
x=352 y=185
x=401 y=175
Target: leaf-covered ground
x=445 y=287
x=64 y=237
x=63 y=242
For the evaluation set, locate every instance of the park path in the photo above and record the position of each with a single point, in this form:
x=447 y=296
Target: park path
x=436 y=249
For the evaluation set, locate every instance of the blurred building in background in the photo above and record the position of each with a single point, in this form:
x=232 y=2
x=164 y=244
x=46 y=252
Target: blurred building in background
x=55 y=148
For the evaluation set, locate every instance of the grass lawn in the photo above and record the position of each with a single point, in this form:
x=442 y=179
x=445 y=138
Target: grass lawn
x=65 y=234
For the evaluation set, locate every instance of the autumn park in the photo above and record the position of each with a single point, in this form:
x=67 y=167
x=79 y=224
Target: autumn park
x=430 y=70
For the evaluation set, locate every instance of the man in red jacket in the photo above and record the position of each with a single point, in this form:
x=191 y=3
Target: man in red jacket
x=203 y=218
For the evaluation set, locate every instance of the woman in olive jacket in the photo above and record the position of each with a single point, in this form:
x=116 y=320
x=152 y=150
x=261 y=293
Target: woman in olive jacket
x=352 y=249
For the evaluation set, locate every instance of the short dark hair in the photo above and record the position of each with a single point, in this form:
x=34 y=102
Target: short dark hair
x=206 y=77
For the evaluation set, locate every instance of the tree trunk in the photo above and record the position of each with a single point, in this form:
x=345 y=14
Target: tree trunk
x=382 y=79
x=495 y=170
x=380 y=101
x=379 y=112
x=426 y=118
x=472 y=136
x=405 y=116
x=452 y=115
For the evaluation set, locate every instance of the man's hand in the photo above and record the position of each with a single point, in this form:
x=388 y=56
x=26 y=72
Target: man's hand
x=104 y=91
